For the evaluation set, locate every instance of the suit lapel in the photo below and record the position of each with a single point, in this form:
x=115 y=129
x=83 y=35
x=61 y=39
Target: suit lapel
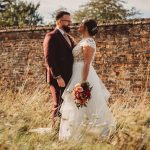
x=72 y=44
x=63 y=38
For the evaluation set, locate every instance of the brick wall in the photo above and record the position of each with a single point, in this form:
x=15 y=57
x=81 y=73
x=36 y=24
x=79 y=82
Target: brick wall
x=122 y=58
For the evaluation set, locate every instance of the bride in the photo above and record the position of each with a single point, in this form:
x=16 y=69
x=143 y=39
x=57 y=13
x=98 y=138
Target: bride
x=96 y=118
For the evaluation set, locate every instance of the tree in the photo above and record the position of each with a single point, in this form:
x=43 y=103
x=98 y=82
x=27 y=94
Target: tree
x=19 y=13
x=101 y=10
x=4 y=4
x=53 y=14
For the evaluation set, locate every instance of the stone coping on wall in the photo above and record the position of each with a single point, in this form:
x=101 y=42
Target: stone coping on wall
x=108 y=23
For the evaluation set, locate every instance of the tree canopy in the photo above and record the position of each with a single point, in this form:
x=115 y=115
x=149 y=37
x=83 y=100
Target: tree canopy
x=19 y=13
x=101 y=10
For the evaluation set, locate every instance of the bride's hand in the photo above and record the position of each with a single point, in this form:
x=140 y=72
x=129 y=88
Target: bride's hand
x=84 y=81
x=61 y=82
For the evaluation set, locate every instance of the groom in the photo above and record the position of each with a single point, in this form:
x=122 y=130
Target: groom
x=58 y=46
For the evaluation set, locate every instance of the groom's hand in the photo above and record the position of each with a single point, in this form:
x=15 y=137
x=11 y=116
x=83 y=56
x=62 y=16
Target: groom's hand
x=61 y=82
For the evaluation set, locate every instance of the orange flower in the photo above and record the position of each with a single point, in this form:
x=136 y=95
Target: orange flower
x=79 y=89
x=82 y=94
x=78 y=85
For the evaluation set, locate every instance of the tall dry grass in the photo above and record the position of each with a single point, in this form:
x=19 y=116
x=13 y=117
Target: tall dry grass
x=21 y=112
x=25 y=110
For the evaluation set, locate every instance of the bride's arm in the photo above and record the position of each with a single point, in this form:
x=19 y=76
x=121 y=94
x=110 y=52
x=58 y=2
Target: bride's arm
x=88 y=52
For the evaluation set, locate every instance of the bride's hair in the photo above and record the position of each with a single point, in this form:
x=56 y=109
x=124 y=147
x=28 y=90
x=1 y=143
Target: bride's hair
x=91 y=26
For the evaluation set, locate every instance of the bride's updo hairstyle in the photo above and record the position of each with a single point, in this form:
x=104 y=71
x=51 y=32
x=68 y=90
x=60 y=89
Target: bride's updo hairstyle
x=91 y=26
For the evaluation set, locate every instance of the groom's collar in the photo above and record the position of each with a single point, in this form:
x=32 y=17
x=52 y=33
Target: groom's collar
x=61 y=31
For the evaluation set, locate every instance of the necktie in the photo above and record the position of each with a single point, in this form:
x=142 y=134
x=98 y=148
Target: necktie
x=67 y=39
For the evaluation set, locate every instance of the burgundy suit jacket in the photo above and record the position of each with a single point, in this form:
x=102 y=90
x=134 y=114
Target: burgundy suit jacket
x=58 y=56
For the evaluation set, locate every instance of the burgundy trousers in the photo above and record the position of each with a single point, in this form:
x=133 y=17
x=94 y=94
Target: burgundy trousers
x=57 y=101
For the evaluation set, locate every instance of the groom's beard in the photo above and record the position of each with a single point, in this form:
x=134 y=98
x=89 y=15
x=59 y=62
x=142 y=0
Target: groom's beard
x=66 y=28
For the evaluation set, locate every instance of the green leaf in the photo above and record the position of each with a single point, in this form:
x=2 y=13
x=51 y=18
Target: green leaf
x=101 y=10
x=19 y=13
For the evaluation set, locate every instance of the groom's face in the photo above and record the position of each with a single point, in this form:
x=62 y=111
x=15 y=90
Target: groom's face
x=65 y=22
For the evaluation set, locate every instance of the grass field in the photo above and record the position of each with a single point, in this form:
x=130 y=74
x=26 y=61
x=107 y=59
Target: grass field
x=21 y=112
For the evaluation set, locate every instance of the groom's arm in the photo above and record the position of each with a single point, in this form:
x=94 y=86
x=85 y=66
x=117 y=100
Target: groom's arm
x=50 y=54
x=46 y=47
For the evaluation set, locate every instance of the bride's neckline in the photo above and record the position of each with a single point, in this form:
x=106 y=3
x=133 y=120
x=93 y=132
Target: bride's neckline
x=87 y=38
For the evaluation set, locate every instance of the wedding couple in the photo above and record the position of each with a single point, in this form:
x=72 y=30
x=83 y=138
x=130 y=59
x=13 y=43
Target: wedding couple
x=69 y=63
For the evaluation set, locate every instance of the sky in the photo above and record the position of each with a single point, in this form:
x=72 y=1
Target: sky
x=49 y=6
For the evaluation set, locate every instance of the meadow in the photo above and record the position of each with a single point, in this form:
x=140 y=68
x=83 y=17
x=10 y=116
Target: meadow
x=20 y=112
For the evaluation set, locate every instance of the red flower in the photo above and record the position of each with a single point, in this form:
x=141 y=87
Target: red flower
x=82 y=94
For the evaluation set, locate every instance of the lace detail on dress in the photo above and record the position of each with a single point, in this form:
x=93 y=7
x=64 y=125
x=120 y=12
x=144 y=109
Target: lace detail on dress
x=95 y=119
x=77 y=51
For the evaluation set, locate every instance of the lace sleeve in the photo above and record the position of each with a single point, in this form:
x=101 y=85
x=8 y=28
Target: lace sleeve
x=89 y=42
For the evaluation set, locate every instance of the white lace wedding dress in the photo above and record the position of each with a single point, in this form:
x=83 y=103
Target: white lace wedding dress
x=96 y=118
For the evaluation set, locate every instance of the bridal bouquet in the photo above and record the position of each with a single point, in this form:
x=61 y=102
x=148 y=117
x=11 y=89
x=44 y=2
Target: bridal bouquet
x=82 y=94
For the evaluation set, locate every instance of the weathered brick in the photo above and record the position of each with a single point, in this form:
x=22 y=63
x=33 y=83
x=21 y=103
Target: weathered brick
x=122 y=58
